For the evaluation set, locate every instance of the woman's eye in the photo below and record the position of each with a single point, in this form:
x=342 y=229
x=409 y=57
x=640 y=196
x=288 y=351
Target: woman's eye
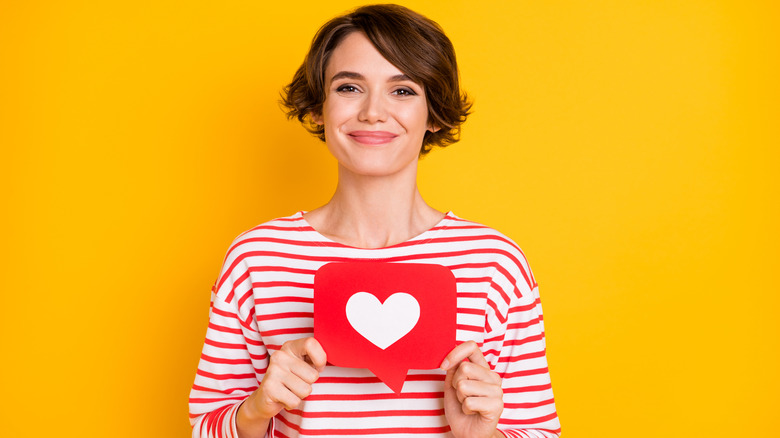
x=347 y=89
x=404 y=92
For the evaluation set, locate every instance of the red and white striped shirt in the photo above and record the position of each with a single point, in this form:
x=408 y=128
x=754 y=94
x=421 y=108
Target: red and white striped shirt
x=264 y=297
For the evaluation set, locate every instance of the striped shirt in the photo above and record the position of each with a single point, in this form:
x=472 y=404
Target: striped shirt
x=263 y=297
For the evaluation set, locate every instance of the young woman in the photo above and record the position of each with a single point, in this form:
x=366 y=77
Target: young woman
x=380 y=87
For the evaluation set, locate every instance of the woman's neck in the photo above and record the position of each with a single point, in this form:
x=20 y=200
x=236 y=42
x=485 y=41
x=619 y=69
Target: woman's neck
x=374 y=212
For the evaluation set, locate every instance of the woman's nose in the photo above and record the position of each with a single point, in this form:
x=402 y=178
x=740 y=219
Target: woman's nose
x=373 y=109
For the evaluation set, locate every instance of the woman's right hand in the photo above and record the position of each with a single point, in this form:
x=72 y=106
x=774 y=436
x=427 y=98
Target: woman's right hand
x=287 y=381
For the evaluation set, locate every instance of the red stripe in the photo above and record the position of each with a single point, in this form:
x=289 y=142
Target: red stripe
x=223 y=329
x=225 y=376
x=368 y=414
x=499 y=338
x=478 y=295
x=304 y=224
x=522 y=325
x=468 y=311
x=247 y=295
x=269 y=284
x=277 y=300
x=492 y=352
x=526 y=307
x=225 y=345
x=292 y=242
x=365 y=431
x=511 y=278
x=288 y=269
x=229 y=315
x=216 y=400
x=216 y=418
x=258 y=357
x=288 y=331
x=500 y=290
x=225 y=361
x=285 y=315
x=237 y=282
x=529 y=405
x=524 y=389
x=469 y=328
x=524 y=373
x=226 y=391
x=392 y=396
x=501 y=318
x=520 y=357
x=372 y=379
x=525 y=340
x=527 y=421
x=473 y=280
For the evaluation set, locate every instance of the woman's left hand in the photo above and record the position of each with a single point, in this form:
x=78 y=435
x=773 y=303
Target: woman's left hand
x=473 y=399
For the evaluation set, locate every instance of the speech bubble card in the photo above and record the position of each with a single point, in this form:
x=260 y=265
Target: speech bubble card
x=387 y=317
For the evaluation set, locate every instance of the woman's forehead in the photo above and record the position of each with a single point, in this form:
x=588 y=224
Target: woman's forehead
x=356 y=57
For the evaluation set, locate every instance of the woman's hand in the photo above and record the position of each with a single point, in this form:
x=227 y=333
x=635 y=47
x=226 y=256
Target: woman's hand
x=473 y=399
x=287 y=381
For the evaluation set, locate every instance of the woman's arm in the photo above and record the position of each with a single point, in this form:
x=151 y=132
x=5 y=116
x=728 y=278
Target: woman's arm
x=227 y=399
x=231 y=365
x=291 y=372
x=529 y=405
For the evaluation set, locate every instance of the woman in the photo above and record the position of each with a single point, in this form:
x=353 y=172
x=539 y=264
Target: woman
x=380 y=87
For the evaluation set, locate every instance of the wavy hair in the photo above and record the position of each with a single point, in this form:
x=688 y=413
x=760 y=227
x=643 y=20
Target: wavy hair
x=411 y=42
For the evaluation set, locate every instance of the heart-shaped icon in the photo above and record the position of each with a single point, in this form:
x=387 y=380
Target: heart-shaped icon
x=383 y=323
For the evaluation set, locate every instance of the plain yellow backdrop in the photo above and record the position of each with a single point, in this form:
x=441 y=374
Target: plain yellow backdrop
x=629 y=147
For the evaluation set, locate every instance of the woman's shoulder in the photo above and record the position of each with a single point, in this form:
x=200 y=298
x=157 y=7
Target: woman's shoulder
x=483 y=238
x=281 y=225
x=279 y=230
x=468 y=229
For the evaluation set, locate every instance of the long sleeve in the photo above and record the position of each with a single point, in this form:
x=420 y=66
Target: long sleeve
x=515 y=347
x=233 y=360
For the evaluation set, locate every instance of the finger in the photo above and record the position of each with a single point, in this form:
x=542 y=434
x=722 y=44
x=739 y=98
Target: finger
x=467 y=350
x=277 y=393
x=472 y=371
x=297 y=386
x=478 y=358
x=488 y=407
x=315 y=353
x=287 y=398
x=284 y=362
x=476 y=388
x=309 y=350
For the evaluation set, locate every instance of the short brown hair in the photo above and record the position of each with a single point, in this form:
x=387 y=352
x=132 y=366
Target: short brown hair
x=413 y=43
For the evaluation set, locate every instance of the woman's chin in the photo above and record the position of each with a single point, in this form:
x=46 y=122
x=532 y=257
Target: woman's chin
x=377 y=168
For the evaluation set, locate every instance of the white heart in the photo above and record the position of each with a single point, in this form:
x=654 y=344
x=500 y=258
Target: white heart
x=383 y=323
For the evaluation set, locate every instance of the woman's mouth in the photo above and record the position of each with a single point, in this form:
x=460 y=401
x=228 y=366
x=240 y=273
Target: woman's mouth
x=372 y=137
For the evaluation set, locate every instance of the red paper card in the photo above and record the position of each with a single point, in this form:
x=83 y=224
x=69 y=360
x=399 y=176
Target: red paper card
x=387 y=317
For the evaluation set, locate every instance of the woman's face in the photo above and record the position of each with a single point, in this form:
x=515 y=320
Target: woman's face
x=374 y=116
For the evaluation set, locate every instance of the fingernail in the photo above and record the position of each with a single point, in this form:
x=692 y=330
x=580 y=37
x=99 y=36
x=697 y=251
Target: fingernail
x=445 y=364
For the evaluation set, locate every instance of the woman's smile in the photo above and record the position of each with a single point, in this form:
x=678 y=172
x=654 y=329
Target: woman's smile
x=372 y=137
x=375 y=117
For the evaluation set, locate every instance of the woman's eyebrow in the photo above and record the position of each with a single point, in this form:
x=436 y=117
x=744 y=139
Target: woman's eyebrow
x=347 y=75
x=357 y=76
x=400 y=78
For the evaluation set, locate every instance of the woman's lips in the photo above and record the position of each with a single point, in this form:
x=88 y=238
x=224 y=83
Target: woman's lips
x=372 y=137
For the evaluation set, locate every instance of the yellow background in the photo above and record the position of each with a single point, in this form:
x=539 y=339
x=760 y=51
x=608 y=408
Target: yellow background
x=630 y=147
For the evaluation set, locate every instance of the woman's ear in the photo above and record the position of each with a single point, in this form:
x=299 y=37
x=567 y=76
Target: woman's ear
x=316 y=118
x=433 y=127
